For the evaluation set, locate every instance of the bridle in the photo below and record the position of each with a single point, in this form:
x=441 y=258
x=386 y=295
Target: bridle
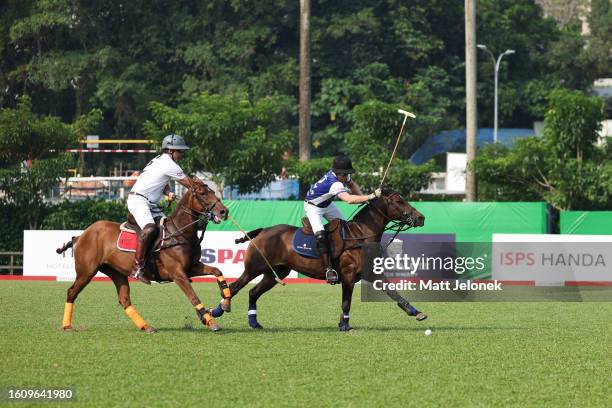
x=207 y=214
x=202 y=217
x=397 y=226
x=404 y=224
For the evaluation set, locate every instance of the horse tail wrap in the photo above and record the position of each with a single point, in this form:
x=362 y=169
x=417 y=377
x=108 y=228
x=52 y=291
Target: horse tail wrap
x=67 y=245
x=249 y=235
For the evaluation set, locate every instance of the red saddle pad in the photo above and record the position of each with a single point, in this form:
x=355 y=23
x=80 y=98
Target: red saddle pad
x=127 y=241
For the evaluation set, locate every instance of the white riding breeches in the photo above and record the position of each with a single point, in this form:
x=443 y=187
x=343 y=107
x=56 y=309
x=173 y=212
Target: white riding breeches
x=316 y=214
x=143 y=211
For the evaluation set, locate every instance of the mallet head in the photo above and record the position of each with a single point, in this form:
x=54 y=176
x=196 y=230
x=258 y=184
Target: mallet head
x=406 y=113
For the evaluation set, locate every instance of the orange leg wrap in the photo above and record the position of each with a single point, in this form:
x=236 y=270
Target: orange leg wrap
x=224 y=289
x=204 y=315
x=136 y=317
x=67 y=315
x=208 y=318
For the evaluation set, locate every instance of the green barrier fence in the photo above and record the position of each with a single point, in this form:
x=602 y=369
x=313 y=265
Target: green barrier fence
x=586 y=222
x=470 y=222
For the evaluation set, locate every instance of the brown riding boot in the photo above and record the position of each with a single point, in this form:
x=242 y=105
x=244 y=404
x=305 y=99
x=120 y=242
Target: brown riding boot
x=331 y=276
x=145 y=240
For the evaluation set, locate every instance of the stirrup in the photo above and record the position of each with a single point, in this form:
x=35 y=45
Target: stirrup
x=140 y=276
x=331 y=276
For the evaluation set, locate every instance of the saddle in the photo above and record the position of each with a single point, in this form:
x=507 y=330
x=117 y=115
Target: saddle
x=166 y=235
x=128 y=240
x=305 y=243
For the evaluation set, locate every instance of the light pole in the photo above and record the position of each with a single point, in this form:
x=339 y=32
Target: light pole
x=496 y=68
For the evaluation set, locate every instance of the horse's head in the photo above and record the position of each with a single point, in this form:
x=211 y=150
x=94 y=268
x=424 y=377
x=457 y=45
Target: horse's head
x=396 y=208
x=206 y=202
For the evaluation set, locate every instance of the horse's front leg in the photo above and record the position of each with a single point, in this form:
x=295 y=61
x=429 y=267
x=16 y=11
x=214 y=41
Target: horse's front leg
x=403 y=303
x=205 y=316
x=348 y=284
x=199 y=269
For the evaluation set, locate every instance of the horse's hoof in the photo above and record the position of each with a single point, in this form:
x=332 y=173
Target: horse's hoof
x=68 y=328
x=226 y=305
x=345 y=327
x=150 y=329
x=214 y=327
x=420 y=317
x=255 y=326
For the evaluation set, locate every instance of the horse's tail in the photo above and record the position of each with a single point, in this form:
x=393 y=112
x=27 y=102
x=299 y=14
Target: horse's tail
x=249 y=235
x=67 y=245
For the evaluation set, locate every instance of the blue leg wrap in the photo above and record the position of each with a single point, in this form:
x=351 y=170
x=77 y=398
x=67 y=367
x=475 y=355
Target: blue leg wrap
x=217 y=311
x=412 y=310
x=252 y=315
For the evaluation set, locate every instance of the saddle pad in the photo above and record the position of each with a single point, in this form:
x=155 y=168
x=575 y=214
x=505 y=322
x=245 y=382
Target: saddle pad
x=127 y=241
x=305 y=245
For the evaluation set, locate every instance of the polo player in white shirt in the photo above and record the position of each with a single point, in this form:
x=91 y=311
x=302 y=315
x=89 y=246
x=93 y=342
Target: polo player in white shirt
x=148 y=191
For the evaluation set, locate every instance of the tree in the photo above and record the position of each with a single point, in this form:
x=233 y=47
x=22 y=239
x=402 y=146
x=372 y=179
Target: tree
x=241 y=143
x=374 y=128
x=32 y=157
x=565 y=167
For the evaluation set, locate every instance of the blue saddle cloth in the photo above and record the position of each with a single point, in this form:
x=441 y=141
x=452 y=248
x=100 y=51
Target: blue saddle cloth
x=306 y=245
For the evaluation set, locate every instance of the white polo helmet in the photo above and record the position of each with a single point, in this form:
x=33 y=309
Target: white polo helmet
x=174 y=142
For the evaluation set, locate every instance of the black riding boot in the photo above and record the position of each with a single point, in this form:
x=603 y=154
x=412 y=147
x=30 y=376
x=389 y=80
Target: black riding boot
x=145 y=240
x=322 y=246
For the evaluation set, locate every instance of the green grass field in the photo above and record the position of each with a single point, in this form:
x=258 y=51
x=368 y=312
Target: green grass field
x=480 y=354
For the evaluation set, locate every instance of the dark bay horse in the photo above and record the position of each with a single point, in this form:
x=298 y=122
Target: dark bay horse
x=275 y=242
x=178 y=260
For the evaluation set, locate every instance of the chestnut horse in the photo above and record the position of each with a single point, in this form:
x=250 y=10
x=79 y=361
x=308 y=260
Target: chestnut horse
x=276 y=244
x=177 y=261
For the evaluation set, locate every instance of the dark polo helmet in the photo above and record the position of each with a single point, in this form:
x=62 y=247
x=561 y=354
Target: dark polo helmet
x=342 y=165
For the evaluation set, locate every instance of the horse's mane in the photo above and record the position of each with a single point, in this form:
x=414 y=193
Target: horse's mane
x=363 y=211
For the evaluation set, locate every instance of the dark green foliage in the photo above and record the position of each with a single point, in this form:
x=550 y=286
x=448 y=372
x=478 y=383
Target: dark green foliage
x=151 y=60
x=81 y=214
x=119 y=57
x=32 y=158
x=238 y=141
x=565 y=167
x=375 y=127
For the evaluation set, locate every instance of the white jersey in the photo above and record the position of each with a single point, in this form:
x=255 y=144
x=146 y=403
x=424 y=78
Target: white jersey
x=155 y=176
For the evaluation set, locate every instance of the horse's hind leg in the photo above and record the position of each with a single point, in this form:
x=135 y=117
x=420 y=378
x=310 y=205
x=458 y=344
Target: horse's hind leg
x=84 y=275
x=348 y=284
x=73 y=292
x=123 y=293
x=267 y=283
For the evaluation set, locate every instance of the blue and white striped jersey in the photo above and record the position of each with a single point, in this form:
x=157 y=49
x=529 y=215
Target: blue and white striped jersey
x=323 y=191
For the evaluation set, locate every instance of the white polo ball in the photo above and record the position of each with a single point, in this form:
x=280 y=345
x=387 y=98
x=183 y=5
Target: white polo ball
x=428 y=332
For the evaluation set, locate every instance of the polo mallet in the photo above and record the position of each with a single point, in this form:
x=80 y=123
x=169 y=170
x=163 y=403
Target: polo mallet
x=406 y=114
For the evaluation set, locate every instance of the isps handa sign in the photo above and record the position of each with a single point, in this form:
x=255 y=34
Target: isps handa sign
x=552 y=259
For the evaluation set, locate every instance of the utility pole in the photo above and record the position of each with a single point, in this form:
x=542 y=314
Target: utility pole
x=305 y=69
x=471 y=126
